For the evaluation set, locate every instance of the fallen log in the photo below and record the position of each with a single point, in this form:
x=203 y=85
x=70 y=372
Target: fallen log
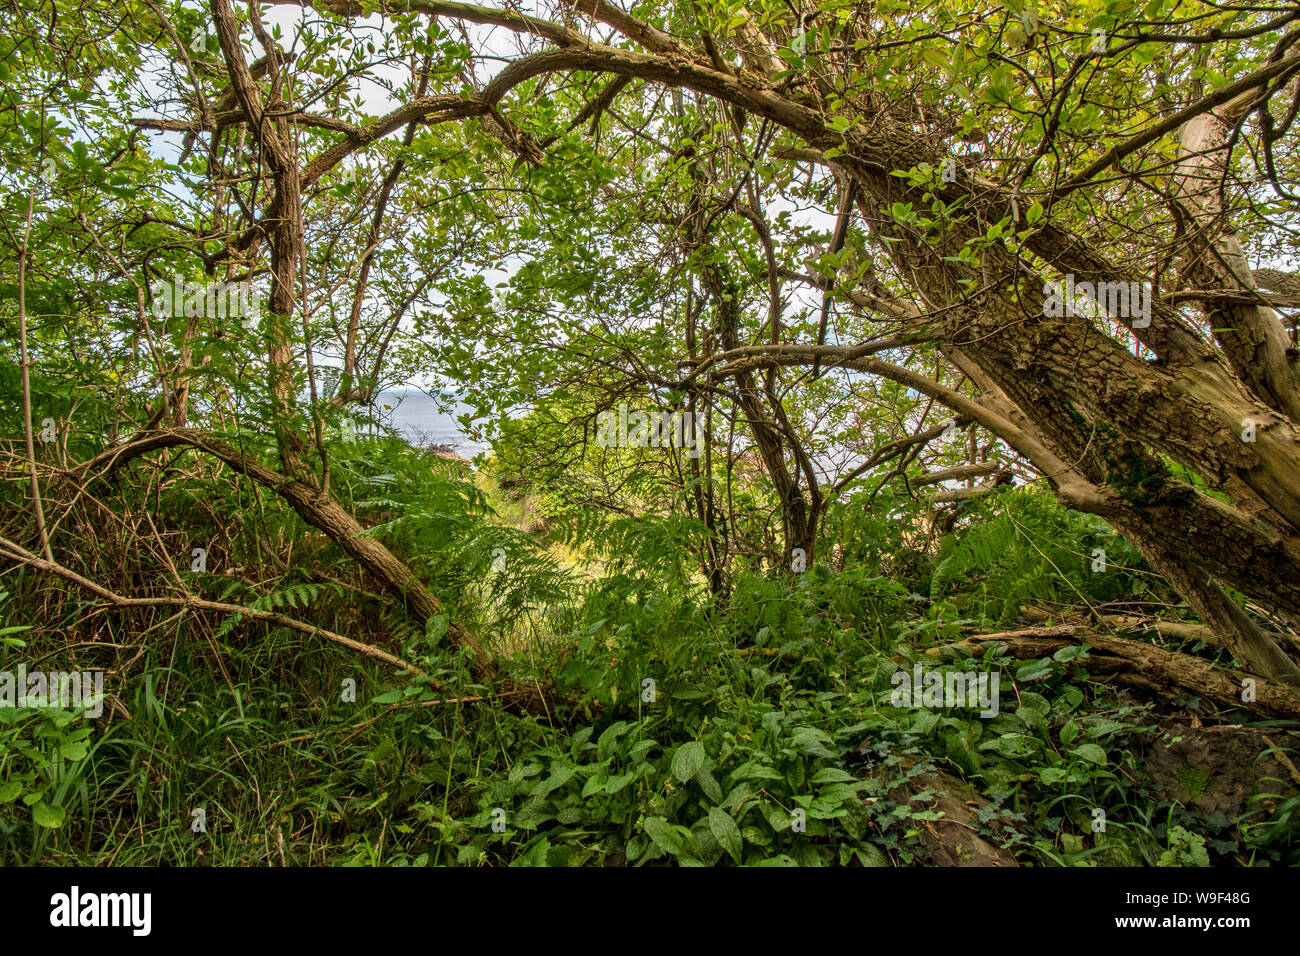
x=1180 y=630
x=1143 y=665
x=1177 y=629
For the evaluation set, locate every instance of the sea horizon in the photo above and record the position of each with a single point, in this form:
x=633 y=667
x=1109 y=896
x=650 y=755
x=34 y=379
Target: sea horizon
x=416 y=417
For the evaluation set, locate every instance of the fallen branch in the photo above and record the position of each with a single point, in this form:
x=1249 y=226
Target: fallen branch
x=1178 y=629
x=20 y=555
x=1145 y=665
x=1134 y=622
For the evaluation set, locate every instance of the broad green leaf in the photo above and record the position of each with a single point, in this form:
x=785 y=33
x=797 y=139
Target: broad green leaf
x=664 y=835
x=726 y=832
x=1033 y=670
x=48 y=816
x=813 y=742
x=1090 y=752
x=616 y=784
x=709 y=784
x=870 y=855
x=74 y=750
x=688 y=760
x=595 y=784
x=832 y=775
x=753 y=770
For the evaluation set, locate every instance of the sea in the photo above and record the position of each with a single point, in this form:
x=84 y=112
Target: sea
x=416 y=417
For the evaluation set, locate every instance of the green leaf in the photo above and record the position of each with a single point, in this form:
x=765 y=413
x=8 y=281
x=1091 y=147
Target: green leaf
x=870 y=855
x=47 y=816
x=813 y=742
x=579 y=739
x=1069 y=653
x=688 y=693
x=436 y=628
x=832 y=775
x=664 y=835
x=605 y=744
x=1090 y=752
x=74 y=749
x=558 y=778
x=595 y=784
x=1101 y=726
x=1033 y=670
x=688 y=760
x=9 y=791
x=726 y=832
x=709 y=784
x=616 y=784
x=1051 y=776
x=640 y=749
x=753 y=770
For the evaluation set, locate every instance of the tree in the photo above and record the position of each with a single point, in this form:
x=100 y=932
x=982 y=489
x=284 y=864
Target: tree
x=1180 y=432
x=1042 y=218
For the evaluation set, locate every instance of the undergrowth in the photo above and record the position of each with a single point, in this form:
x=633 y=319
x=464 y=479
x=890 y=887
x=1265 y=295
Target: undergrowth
x=755 y=731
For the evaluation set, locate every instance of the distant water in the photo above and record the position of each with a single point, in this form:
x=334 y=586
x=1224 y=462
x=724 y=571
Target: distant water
x=416 y=418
